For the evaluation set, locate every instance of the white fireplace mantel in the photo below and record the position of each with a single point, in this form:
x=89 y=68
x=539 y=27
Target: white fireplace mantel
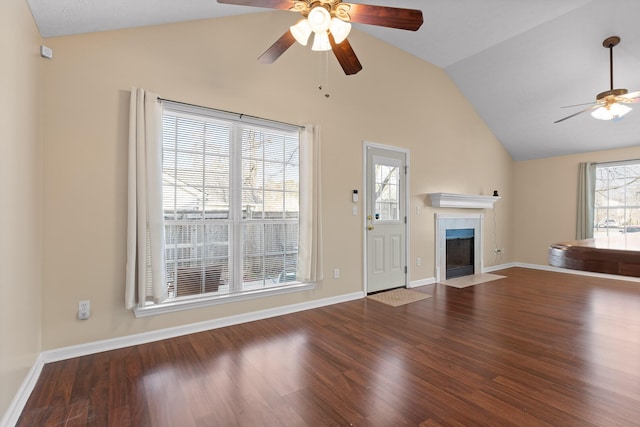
x=452 y=200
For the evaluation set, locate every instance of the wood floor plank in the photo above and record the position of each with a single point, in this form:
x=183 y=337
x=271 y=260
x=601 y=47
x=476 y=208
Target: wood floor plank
x=536 y=348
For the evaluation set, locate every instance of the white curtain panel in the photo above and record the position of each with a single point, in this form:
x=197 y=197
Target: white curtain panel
x=586 y=195
x=146 y=277
x=310 y=245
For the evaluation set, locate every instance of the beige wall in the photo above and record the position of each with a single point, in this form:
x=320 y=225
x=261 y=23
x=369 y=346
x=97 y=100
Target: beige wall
x=546 y=200
x=396 y=100
x=76 y=173
x=20 y=197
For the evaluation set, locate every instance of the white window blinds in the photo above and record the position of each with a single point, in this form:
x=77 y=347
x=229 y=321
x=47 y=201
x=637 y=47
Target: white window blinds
x=230 y=202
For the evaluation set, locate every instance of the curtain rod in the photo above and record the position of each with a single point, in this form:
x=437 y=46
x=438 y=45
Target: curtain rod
x=620 y=162
x=240 y=115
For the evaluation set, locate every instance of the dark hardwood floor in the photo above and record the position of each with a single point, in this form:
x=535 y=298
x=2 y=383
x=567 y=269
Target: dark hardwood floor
x=534 y=349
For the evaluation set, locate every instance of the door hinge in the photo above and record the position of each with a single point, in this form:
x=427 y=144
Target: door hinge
x=406 y=269
x=406 y=169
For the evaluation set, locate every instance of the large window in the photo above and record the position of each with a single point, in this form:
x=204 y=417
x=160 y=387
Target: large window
x=617 y=199
x=230 y=202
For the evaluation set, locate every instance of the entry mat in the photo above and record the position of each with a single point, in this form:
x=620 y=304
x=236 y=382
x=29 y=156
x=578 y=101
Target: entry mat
x=397 y=297
x=472 y=279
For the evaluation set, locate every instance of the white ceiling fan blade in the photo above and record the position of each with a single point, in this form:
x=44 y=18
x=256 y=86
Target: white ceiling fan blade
x=593 y=107
x=629 y=97
x=578 y=105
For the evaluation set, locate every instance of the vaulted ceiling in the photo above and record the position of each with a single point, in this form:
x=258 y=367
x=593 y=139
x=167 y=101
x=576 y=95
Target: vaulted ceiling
x=516 y=61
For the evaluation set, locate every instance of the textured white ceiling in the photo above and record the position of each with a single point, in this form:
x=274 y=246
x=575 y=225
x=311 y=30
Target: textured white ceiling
x=517 y=61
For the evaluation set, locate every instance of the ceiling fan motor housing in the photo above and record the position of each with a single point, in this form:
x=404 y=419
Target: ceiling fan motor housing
x=613 y=93
x=610 y=42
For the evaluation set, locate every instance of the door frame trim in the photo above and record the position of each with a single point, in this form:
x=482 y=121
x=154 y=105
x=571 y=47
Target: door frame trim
x=405 y=151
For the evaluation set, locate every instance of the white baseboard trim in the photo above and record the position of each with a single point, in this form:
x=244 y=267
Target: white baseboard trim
x=577 y=272
x=161 y=334
x=499 y=267
x=422 y=282
x=432 y=280
x=12 y=414
x=17 y=405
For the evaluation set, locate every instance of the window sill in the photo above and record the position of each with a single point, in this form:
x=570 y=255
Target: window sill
x=173 y=305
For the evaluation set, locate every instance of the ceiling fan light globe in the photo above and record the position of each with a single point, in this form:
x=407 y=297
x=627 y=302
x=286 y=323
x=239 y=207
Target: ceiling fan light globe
x=620 y=109
x=613 y=111
x=301 y=32
x=339 y=29
x=319 y=19
x=321 y=42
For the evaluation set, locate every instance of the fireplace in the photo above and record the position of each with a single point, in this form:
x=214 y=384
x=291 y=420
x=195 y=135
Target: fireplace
x=459 y=252
x=458 y=245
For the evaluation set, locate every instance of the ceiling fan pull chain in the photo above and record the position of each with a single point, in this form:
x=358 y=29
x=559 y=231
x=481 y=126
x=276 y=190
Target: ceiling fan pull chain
x=324 y=73
x=320 y=69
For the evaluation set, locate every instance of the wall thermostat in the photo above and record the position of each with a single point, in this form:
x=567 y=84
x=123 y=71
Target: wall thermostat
x=354 y=196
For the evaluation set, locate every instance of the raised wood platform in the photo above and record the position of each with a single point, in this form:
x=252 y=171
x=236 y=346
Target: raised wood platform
x=610 y=255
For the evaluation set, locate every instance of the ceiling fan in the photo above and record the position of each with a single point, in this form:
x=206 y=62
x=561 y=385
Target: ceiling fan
x=330 y=21
x=610 y=104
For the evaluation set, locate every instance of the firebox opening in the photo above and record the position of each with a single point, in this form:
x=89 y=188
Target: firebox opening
x=459 y=252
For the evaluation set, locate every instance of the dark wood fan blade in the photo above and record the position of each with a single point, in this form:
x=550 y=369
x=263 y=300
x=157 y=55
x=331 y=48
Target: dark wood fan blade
x=346 y=56
x=393 y=17
x=271 y=4
x=593 y=107
x=278 y=48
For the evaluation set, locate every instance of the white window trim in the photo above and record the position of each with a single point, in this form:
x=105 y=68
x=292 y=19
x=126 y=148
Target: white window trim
x=203 y=300
x=187 y=303
x=625 y=207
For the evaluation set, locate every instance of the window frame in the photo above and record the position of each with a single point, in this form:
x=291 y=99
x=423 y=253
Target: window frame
x=625 y=207
x=235 y=218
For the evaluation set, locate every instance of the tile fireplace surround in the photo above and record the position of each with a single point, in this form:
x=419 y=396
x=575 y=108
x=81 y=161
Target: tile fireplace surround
x=446 y=222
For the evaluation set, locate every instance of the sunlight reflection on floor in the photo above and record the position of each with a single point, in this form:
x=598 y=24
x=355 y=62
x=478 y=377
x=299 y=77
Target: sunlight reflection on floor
x=612 y=352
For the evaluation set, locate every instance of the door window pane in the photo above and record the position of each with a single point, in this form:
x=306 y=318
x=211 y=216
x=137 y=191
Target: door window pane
x=387 y=192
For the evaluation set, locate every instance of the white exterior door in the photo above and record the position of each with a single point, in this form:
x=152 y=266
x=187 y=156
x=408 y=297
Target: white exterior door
x=385 y=218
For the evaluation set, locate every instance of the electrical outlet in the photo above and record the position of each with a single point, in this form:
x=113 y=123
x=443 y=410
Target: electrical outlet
x=336 y=273
x=418 y=261
x=84 y=310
